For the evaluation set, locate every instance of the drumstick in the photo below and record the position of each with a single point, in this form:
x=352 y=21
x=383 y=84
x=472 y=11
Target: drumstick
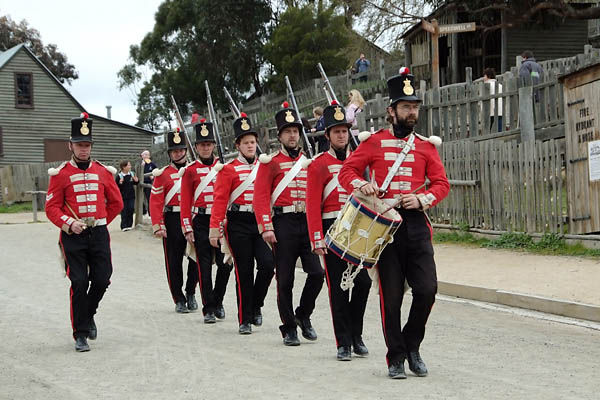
x=397 y=202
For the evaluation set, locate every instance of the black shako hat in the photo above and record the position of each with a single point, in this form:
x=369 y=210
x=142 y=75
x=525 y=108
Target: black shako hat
x=176 y=140
x=402 y=87
x=204 y=131
x=81 y=128
x=334 y=115
x=287 y=117
x=242 y=126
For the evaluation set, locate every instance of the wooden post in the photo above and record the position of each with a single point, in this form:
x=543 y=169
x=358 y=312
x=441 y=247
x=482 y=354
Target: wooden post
x=34 y=202
x=503 y=44
x=526 y=114
x=469 y=75
x=435 y=62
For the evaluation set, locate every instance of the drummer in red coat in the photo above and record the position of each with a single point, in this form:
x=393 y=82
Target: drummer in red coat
x=324 y=200
x=234 y=192
x=82 y=199
x=280 y=190
x=165 y=198
x=197 y=196
x=410 y=255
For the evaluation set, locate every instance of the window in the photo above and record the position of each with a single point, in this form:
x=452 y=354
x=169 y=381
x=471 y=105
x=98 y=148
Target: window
x=23 y=90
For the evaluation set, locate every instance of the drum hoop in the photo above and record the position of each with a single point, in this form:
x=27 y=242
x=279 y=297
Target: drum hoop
x=347 y=256
x=373 y=214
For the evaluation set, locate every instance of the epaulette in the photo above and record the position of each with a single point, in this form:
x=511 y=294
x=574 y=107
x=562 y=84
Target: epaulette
x=265 y=159
x=365 y=135
x=434 y=140
x=55 y=171
x=110 y=168
x=159 y=171
x=219 y=166
x=308 y=161
x=182 y=170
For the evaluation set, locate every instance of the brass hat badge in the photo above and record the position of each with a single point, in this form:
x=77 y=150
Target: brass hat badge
x=176 y=138
x=408 y=89
x=204 y=131
x=339 y=115
x=84 y=128
x=289 y=117
x=245 y=125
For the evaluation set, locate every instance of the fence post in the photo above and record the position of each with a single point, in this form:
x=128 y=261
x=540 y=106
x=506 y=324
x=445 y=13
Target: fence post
x=526 y=114
x=469 y=75
x=34 y=200
x=139 y=195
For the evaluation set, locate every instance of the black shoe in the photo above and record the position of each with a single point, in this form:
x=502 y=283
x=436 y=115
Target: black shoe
x=92 y=330
x=291 y=339
x=192 y=304
x=416 y=364
x=209 y=318
x=359 y=347
x=81 y=344
x=181 y=308
x=245 y=329
x=220 y=312
x=308 y=332
x=257 y=318
x=396 y=370
x=344 y=353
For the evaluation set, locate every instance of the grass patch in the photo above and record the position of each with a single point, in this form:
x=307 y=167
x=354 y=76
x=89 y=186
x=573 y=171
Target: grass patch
x=16 y=208
x=549 y=244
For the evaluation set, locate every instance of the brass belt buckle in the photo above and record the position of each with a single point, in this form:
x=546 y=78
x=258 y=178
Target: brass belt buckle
x=90 y=222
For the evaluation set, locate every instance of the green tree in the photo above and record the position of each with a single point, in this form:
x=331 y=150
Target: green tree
x=197 y=40
x=13 y=33
x=304 y=37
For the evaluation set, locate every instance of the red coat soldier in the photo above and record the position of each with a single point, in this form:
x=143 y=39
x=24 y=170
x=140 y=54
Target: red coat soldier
x=197 y=196
x=400 y=161
x=324 y=200
x=82 y=199
x=233 y=214
x=280 y=190
x=166 y=222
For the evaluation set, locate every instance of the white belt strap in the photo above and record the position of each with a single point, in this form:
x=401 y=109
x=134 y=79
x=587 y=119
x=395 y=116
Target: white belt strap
x=287 y=178
x=205 y=182
x=397 y=163
x=330 y=187
x=174 y=190
x=244 y=185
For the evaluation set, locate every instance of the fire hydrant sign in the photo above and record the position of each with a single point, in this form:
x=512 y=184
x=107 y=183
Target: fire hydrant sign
x=594 y=160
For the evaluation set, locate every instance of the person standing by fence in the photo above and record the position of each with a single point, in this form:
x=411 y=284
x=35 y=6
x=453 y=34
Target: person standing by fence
x=489 y=77
x=82 y=199
x=126 y=179
x=148 y=165
x=356 y=103
x=362 y=67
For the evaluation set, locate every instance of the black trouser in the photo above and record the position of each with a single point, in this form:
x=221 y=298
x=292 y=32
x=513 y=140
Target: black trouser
x=147 y=191
x=127 y=213
x=91 y=248
x=211 y=296
x=247 y=245
x=174 y=246
x=410 y=257
x=347 y=313
x=291 y=232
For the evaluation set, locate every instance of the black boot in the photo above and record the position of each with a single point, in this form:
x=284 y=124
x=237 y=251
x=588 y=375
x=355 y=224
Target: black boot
x=359 y=347
x=257 y=318
x=416 y=364
x=308 y=332
x=344 y=353
x=245 y=329
x=209 y=318
x=192 y=304
x=220 y=312
x=92 y=330
x=81 y=344
x=396 y=370
x=291 y=339
x=181 y=308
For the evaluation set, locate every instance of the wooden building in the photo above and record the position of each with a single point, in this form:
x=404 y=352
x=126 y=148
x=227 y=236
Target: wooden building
x=35 y=114
x=497 y=49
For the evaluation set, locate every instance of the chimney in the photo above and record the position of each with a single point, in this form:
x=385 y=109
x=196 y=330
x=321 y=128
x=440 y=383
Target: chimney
x=108 y=108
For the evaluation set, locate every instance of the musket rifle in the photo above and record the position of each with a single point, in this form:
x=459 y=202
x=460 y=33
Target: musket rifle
x=213 y=119
x=330 y=93
x=237 y=113
x=295 y=105
x=182 y=128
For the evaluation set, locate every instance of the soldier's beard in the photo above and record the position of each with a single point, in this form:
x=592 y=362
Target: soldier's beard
x=403 y=127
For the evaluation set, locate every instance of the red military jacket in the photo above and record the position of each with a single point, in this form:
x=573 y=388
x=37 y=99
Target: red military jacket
x=230 y=177
x=191 y=176
x=379 y=151
x=321 y=171
x=89 y=193
x=164 y=179
x=269 y=175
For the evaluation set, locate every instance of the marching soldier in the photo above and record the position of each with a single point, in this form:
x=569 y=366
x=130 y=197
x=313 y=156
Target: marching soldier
x=280 y=190
x=166 y=223
x=324 y=200
x=197 y=184
x=82 y=200
x=233 y=195
x=401 y=160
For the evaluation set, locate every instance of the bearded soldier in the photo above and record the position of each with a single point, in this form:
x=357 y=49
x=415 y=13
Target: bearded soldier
x=82 y=199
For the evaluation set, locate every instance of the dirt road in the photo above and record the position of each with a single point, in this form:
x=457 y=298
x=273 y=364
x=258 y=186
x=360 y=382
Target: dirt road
x=147 y=351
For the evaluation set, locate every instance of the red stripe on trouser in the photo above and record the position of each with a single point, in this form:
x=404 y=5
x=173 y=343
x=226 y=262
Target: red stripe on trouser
x=330 y=298
x=167 y=268
x=62 y=248
x=237 y=279
x=382 y=310
x=199 y=276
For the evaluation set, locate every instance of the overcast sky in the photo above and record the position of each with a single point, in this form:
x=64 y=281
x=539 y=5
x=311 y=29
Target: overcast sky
x=96 y=37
